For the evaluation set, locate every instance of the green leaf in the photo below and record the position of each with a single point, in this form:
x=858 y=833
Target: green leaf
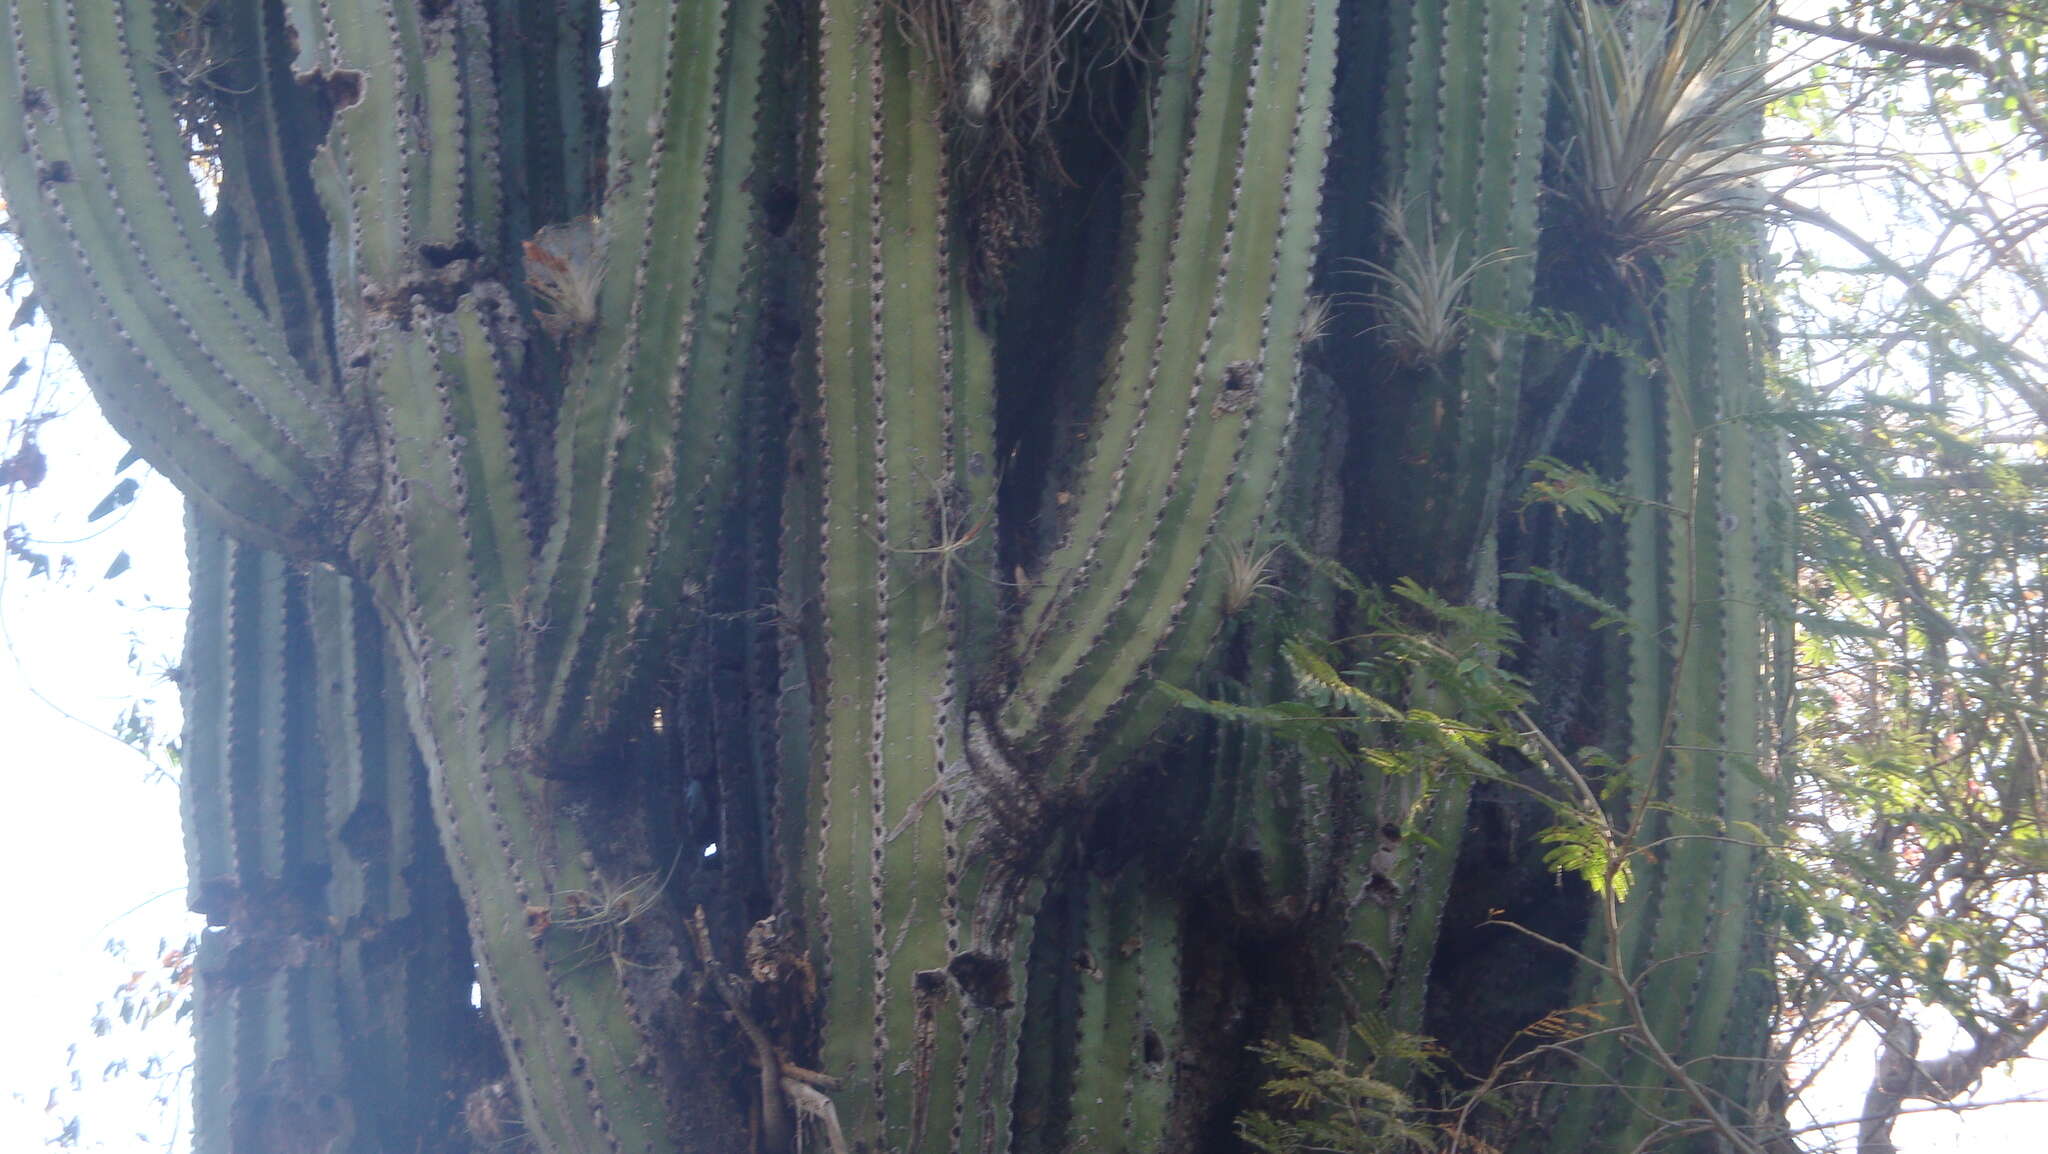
x=1581 y=847
x=1609 y=612
x=1572 y=490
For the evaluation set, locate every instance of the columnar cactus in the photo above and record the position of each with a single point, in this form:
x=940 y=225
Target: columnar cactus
x=803 y=766
x=1700 y=737
x=334 y=1002
x=1463 y=137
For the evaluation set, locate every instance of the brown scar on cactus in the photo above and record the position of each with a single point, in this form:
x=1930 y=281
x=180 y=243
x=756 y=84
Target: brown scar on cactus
x=342 y=86
x=1240 y=388
x=565 y=269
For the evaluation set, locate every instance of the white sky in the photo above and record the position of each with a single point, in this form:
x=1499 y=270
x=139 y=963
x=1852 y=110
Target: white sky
x=88 y=826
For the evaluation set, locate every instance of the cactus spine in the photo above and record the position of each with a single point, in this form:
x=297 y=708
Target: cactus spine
x=524 y=368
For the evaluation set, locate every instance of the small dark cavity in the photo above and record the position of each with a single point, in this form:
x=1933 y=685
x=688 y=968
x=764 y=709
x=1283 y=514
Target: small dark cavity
x=342 y=87
x=443 y=255
x=1240 y=375
x=985 y=980
x=778 y=209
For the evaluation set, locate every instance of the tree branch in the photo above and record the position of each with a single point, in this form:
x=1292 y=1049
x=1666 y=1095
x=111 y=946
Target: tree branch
x=1941 y=55
x=1901 y=1075
x=1997 y=355
x=1937 y=55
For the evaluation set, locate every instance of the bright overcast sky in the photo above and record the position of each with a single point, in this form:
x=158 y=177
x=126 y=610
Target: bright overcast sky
x=88 y=826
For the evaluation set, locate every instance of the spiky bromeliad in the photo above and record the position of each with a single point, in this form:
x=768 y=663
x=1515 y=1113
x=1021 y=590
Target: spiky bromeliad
x=720 y=524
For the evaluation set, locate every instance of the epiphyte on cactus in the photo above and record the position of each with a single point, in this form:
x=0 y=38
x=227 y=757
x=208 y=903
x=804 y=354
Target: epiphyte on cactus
x=565 y=269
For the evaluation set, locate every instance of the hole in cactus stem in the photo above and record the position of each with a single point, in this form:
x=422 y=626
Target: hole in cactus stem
x=711 y=850
x=1155 y=1050
x=343 y=87
x=984 y=979
x=443 y=255
x=476 y=996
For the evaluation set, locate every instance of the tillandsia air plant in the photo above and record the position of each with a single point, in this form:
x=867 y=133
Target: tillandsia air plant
x=1666 y=100
x=1419 y=293
x=1247 y=572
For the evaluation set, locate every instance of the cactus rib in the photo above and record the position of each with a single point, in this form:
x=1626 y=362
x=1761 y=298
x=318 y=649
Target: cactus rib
x=334 y=993
x=109 y=233
x=622 y=439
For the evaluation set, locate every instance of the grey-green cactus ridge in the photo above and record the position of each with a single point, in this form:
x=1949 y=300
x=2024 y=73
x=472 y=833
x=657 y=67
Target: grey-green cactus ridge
x=120 y=233
x=895 y=518
x=1462 y=139
x=568 y=493
x=1277 y=824
x=1465 y=141
x=1702 y=583
x=1200 y=394
x=1703 y=693
x=333 y=1001
x=265 y=173
x=1127 y=1022
x=549 y=112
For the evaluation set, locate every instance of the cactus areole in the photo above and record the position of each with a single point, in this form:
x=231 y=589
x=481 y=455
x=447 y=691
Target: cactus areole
x=696 y=504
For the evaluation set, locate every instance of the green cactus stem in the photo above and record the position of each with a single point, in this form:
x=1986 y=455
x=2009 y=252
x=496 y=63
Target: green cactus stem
x=333 y=999
x=778 y=640
x=1700 y=579
x=1462 y=145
